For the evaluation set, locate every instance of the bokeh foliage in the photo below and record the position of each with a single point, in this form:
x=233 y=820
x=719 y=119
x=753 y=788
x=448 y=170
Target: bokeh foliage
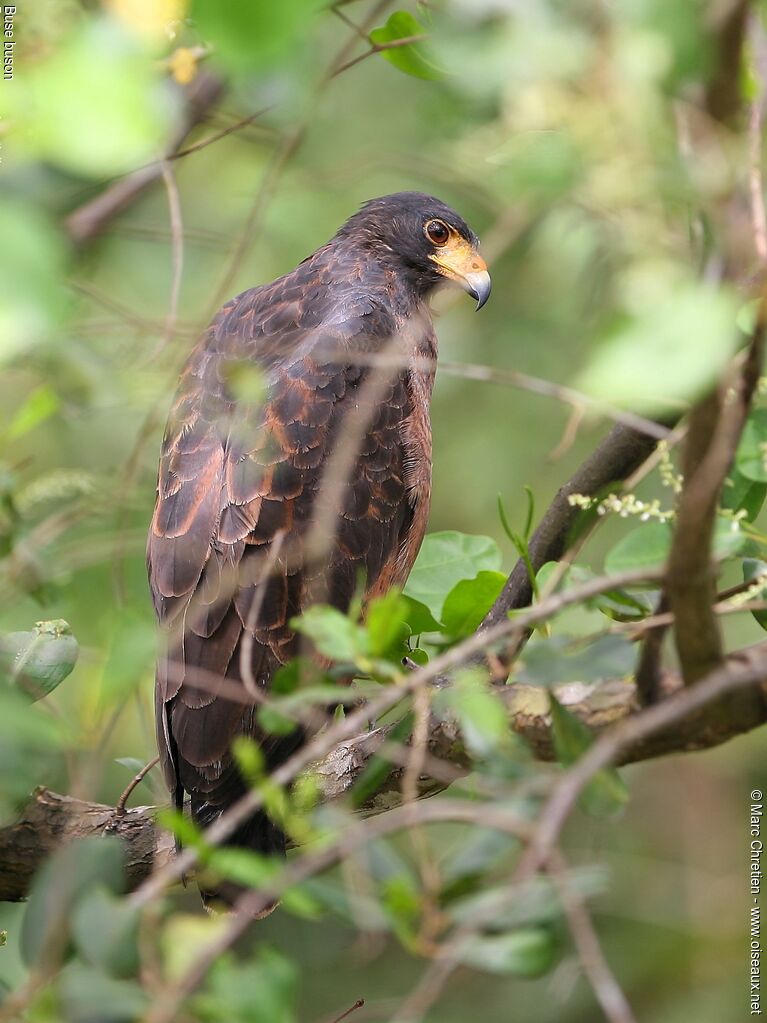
x=554 y=128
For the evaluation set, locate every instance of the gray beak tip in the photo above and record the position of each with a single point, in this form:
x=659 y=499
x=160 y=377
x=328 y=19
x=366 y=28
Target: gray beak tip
x=479 y=286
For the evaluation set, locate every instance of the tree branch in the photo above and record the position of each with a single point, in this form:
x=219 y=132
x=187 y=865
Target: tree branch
x=617 y=457
x=92 y=217
x=715 y=428
x=50 y=819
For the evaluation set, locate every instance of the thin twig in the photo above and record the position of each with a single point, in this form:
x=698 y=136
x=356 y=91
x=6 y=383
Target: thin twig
x=177 y=252
x=357 y=835
x=606 y=988
x=393 y=44
x=352 y=1008
x=136 y=780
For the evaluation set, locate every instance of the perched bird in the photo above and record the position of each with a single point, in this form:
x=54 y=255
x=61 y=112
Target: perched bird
x=240 y=484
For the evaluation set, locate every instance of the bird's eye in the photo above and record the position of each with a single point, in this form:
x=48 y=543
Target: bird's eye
x=437 y=232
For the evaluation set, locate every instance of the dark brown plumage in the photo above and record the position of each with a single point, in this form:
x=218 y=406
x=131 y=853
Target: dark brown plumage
x=239 y=478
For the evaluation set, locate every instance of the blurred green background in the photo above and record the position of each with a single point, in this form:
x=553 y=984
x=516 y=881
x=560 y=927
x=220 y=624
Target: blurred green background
x=552 y=128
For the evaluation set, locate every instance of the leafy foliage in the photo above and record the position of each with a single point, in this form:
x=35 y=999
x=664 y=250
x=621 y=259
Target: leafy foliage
x=553 y=128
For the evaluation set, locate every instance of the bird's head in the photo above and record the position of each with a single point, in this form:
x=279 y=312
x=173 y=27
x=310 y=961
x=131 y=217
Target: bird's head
x=425 y=240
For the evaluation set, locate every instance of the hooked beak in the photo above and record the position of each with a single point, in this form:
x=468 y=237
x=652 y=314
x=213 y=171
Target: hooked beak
x=478 y=284
x=459 y=261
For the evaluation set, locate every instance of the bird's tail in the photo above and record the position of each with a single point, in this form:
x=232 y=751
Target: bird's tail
x=257 y=834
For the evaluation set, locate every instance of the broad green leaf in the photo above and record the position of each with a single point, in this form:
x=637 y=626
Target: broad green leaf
x=263 y=989
x=751 y=457
x=246 y=37
x=560 y=659
x=646 y=546
x=670 y=353
x=413 y=58
x=251 y=869
x=184 y=936
x=105 y=931
x=476 y=853
x=527 y=952
x=39 y=661
x=88 y=994
x=618 y=604
x=419 y=618
x=626 y=605
x=534 y=903
x=385 y=624
x=752 y=570
x=64 y=880
x=469 y=601
x=729 y=539
x=445 y=559
x=98 y=105
x=606 y=794
x=743 y=494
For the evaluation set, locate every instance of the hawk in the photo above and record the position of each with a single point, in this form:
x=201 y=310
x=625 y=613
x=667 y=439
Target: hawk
x=344 y=353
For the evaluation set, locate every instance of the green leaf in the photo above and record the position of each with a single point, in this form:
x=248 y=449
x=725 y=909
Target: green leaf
x=98 y=104
x=262 y=990
x=729 y=539
x=752 y=570
x=413 y=58
x=743 y=494
x=39 y=661
x=251 y=869
x=560 y=659
x=606 y=794
x=419 y=618
x=385 y=624
x=670 y=353
x=479 y=711
x=534 y=903
x=527 y=952
x=333 y=633
x=300 y=673
x=40 y=405
x=88 y=995
x=184 y=936
x=469 y=601
x=250 y=759
x=647 y=546
x=476 y=853
x=69 y=875
x=751 y=457
x=626 y=605
x=274 y=723
x=445 y=559
x=246 y=37
x=105 y=931
x=32 y=261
